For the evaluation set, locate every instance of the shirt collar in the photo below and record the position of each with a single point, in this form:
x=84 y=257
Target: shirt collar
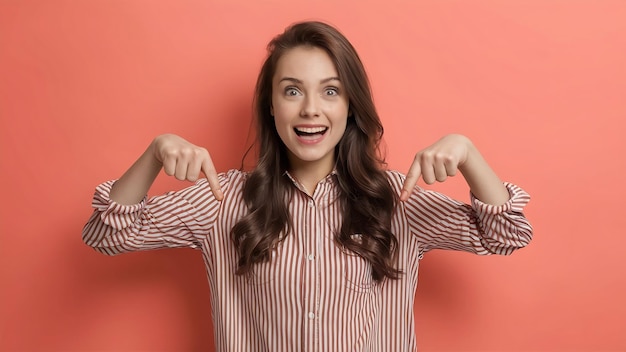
x=329 y=178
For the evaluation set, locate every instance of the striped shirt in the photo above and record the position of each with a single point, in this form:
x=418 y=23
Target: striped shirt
x=311 y=295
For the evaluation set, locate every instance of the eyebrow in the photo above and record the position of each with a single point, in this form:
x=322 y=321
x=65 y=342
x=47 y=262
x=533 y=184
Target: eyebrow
x=295 y=80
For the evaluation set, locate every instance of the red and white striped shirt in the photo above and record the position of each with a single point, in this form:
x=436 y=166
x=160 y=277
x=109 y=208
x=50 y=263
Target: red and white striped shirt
x=311 y=296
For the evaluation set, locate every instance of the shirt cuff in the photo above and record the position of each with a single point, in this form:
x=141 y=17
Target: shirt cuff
x=118 y=216
x=518 y=198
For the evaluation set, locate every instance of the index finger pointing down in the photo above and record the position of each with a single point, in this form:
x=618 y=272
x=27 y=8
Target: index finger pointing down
x=411 y=180
x=211 y=176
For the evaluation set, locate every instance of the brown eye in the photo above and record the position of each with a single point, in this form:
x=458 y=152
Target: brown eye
x=332 y=91
x=291 y=91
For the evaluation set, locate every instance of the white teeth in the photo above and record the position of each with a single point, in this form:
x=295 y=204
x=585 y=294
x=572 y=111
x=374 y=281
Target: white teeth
x=310 y=129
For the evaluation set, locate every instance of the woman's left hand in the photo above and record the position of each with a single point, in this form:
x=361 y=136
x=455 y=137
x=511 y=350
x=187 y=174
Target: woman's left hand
x=437 y=162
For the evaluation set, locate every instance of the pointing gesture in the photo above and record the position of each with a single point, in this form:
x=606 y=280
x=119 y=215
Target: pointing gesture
x=186 y=161
x=177 y=157
x=437 y=162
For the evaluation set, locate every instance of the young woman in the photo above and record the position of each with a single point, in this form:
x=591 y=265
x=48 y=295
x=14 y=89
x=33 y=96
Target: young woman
x=318 y=247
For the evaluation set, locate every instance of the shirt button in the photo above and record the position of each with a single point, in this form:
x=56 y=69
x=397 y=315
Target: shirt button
x=311 y=257
x=311 y=204
x=311 y=315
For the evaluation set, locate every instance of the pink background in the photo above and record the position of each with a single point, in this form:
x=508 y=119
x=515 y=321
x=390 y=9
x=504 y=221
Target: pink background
x=538 y=85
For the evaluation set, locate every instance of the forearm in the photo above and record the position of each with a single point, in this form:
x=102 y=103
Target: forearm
x=136 y=181
x=482 y=180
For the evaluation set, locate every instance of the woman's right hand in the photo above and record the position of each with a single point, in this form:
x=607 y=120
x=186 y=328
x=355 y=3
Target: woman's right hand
x=185 y=161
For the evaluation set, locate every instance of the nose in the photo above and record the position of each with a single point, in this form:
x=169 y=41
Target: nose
x=310 y=106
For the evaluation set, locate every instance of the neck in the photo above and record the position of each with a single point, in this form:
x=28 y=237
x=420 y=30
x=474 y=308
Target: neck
x=309 y=174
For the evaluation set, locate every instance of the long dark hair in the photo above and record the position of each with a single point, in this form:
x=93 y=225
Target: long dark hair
x=366 y=196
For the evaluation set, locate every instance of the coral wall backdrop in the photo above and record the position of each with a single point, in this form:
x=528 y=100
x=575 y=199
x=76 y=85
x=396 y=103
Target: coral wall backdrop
x=538 y=85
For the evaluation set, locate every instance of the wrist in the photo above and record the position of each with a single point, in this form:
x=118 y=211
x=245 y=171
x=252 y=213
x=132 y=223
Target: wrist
x=153 y=151
x=472 y=155
x=151 y=158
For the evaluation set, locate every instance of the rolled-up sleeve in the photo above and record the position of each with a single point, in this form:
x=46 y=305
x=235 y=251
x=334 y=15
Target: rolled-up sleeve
x=174 y=219
x=440 y=222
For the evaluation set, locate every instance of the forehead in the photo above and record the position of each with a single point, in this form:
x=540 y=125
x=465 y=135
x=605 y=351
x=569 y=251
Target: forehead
x=304 y=62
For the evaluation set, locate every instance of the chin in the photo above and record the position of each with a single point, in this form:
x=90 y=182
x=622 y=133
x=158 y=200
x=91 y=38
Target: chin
x=310 y=157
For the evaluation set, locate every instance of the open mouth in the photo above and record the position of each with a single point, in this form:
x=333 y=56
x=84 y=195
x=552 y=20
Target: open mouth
x=310 y=131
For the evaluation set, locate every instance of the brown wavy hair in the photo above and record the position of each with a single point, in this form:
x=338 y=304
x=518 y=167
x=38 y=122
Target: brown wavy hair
x=366 y=197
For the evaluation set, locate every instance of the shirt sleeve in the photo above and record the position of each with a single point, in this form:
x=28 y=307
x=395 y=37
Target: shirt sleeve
x=175 y=219
x=440 y=222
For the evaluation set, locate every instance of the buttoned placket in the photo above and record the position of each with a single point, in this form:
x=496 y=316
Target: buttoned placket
x=312 y=271
x=312 y=239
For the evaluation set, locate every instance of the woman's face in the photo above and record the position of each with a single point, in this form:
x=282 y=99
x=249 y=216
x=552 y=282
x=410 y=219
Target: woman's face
x=310 y=107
